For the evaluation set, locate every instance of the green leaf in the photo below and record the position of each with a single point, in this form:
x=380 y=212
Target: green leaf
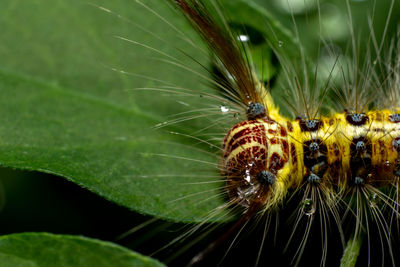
x=7 y=260
x=99 y=146
x=64 y=110
x=43 y=249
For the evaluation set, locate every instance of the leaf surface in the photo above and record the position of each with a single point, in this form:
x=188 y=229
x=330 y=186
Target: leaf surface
x=66 y=111
x=43 y=249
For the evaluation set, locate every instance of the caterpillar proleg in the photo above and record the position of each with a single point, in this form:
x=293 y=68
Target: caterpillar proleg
x=325 y=143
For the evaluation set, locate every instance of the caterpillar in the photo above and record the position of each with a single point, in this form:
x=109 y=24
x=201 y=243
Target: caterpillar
x=339 y=159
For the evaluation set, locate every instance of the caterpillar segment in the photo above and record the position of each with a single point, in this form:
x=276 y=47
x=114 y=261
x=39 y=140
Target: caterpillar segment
x=341 y=151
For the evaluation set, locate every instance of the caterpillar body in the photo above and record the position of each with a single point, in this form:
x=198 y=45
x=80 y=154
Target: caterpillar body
x=345 y=150
x=343 y=163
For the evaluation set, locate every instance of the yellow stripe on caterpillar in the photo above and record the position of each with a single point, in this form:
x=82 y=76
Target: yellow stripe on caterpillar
x=343 y=150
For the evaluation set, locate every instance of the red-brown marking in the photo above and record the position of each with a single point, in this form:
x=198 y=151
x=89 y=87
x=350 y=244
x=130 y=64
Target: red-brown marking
x=285 y=147
x=250 y=130
x=293 y=153
x=283 y=131
x=289 y=126
x=272 y=132
x=276 y=163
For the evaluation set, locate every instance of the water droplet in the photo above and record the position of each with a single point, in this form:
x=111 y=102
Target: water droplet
x=183 y=103
x=247 y=175
x=243 y=38
x=308 y=207
x=280 y=43
x=161 y=124
x=373 y=200
x=224 y=109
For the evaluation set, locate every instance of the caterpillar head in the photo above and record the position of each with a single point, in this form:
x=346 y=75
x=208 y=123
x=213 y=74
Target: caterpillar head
x=256 y=154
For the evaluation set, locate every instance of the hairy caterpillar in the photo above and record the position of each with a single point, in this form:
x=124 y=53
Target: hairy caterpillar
x=342 y=164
